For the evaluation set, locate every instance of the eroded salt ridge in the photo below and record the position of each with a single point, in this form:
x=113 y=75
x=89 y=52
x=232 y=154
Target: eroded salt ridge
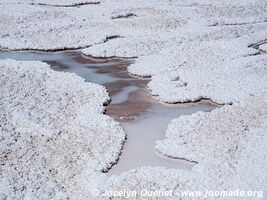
x=52 y=128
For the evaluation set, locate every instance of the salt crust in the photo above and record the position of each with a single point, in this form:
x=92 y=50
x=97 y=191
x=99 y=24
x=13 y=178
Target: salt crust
x=52 y=127
x=192 y=50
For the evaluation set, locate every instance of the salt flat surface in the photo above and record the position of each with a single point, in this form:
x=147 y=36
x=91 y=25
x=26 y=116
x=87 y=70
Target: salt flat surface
x=193 y=50
x=142 y=133
x=230 y=153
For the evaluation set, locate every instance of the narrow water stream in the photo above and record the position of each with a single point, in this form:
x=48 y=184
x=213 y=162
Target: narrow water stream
x=143 y=118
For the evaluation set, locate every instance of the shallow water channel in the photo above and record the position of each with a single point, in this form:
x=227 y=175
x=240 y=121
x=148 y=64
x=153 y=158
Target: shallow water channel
x=141 y=115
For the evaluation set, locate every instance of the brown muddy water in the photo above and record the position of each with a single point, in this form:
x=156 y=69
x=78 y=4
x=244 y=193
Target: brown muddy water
x=143 y=118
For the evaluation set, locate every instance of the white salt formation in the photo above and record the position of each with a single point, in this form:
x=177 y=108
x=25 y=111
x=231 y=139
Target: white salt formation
x=52 y=127
x=191 y=49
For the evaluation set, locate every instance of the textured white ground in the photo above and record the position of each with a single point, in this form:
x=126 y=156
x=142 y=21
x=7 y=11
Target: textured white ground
x=229 y=144
x=263 y=47
x=52 y=127
x=193 y=50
